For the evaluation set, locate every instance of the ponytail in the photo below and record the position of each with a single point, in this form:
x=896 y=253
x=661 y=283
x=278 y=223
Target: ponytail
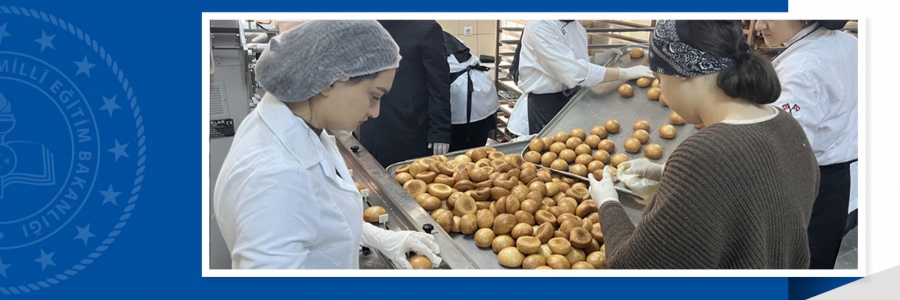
x=750 y=77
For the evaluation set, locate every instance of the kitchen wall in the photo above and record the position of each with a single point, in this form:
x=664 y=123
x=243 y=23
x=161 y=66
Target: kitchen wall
x=483 y=39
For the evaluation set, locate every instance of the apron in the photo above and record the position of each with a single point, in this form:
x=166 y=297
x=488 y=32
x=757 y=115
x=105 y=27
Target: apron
x=470 y=89
x=829 y=215
x=542 y=108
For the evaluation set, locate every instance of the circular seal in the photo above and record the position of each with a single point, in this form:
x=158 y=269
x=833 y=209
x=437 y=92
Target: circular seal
x=72 y=150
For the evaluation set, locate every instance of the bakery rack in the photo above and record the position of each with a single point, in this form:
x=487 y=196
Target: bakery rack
x=602 y=35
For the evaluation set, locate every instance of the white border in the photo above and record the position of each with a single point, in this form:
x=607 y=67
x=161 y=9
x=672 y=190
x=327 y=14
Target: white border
x=863 y=34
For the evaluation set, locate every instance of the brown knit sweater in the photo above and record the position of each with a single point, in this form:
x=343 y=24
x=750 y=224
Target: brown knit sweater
x=731 y=197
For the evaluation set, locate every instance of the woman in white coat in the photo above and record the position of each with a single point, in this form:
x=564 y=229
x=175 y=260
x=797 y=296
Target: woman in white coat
x=284 y=198
x=553 y=63
x=818 y=73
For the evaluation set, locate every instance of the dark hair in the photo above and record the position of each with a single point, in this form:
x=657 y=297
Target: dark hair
x=751 y=77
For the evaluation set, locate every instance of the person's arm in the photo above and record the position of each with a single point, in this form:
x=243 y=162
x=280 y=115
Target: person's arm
x=557 y=60
x=276 y=223
x=677 y=232
x=437 y=73
x=799 y=94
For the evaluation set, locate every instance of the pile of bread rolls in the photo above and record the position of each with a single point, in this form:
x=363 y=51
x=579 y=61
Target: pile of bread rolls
x=531 y=218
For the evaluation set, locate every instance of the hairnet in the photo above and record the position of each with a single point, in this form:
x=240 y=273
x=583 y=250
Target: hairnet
x=301 y=62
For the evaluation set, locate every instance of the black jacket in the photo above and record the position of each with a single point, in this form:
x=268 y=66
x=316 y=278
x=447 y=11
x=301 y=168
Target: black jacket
x=417 y=109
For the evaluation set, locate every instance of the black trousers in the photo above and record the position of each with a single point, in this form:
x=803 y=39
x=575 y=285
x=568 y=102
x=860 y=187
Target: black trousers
x=475 y=135
x=852 y=221
x=828 y=222
x=542 y=108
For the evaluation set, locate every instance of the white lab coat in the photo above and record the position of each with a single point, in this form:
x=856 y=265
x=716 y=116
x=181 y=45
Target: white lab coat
x=554 y=59
x=278 y=200
x=819 y=88
x=484 y=96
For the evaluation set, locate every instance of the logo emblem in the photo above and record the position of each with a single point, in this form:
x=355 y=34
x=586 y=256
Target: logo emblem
x=790 y=109
x=71 y=150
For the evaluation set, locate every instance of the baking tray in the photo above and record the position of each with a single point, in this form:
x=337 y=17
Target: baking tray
x=484 y=257
x=593 y=106
x=506 y=148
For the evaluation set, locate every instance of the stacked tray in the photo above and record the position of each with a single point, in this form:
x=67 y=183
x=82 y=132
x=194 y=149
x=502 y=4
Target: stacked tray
x=594 y=106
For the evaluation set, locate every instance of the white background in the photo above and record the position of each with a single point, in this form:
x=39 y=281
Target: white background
x=879 y=210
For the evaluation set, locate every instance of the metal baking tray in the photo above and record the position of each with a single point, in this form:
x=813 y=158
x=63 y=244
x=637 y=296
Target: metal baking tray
x=593 y=106
x=506 y=148
x=385 y=192
x=485 y=258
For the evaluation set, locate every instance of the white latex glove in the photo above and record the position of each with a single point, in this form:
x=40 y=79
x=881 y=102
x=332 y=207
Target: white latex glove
x=523 y=138
x=439 y=148
x=642 y=168
x=602 y=58
x=635 y=72
x=604 y=190
x=395 y=245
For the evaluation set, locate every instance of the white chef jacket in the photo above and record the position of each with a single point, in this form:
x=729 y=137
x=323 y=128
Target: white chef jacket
x=819 y=88
x=554 y=58
x=279 y=201
x=484 y=97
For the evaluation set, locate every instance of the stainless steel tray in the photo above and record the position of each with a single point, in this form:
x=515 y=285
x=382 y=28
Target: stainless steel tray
x=485 y=258
x=405 y=213
x=506 y=148
x=593 y=106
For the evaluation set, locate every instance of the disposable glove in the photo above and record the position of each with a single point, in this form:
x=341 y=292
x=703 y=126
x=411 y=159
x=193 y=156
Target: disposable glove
x=603 y=190
x=395 y=245
x=602 y=58
x=641 y=177
x=439 y=148
x=523 y=138
x=642 y=168
x=635 y=72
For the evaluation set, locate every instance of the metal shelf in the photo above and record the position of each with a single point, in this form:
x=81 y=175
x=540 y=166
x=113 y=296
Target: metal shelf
x=505 y=108
x=510 y=86
x=512 y=28
x=624 y=38
x=593 y=30
x=625 y=23
x=610 y=46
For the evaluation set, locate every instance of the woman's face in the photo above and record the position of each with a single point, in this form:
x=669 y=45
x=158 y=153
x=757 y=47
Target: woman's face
x=778 y=32
x=681 y=95
x=350 y=104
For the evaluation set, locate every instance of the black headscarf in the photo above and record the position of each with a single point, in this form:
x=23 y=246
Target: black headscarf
x=673 y=52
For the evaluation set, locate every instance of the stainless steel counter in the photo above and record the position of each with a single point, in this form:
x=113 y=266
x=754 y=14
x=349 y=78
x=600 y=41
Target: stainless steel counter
x=404 y=212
